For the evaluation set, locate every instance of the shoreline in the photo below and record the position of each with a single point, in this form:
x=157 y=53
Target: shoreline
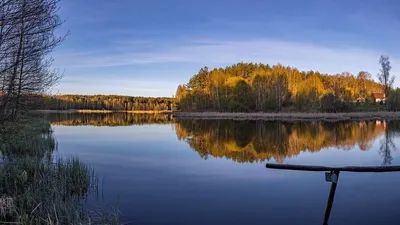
x=295 y=116
x=102 y=111
x=284 y=116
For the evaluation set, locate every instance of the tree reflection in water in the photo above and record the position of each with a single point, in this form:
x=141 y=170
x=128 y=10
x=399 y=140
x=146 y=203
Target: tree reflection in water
x=107 y=119
x=387 y=143
x=253 y=141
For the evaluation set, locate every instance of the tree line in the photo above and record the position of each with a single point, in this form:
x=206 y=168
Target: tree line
x=245 y=87
x=27 y=36
x=107 y=102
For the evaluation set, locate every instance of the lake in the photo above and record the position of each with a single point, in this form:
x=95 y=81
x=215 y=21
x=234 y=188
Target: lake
x=159 y=170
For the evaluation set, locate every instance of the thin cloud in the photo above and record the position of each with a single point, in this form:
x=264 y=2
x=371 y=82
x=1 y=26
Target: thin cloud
x=134 y=87
x=207 y=52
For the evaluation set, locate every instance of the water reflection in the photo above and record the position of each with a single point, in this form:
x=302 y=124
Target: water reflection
x=387 y=143
x=156 y=174
x=107 y=119
x=250 y=141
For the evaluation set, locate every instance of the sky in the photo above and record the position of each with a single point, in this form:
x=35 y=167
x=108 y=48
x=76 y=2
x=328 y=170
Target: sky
x=149 y=47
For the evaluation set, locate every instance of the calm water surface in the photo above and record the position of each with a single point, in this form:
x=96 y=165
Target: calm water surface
x=162 y=171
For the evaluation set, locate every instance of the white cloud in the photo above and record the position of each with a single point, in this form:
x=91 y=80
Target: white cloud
x=218 y=51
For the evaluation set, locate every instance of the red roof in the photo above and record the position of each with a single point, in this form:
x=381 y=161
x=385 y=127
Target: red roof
x=379 y=95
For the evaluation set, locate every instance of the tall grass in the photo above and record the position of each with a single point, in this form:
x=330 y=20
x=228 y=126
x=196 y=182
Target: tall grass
x=35 y=189
x=27 y=137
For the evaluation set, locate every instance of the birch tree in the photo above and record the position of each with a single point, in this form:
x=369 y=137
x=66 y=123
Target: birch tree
x=27 y=36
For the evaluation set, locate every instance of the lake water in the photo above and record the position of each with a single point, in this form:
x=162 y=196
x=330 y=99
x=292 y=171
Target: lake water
x=165 y=171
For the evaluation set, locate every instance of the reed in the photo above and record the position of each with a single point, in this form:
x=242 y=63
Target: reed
x=38 y=189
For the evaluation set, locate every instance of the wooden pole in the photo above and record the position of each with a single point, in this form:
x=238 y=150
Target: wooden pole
x=333 y=177
x=331 y=199
x=376 y=169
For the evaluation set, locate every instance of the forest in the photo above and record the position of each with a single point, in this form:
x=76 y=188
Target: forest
x=107 y=102
x=249 y=87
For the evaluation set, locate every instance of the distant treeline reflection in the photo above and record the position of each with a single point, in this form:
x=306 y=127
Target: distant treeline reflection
x=107 y=119
x=251 y=141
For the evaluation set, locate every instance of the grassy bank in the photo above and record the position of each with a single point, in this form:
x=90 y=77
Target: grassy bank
x=290 y=116
x=36 y=188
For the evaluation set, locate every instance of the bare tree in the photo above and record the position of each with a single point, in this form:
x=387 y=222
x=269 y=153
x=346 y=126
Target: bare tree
x=385 y=78
x=26 y=38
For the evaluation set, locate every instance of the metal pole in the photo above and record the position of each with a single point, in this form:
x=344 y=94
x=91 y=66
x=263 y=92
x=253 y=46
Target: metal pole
x=376 y=169
x=331 y=198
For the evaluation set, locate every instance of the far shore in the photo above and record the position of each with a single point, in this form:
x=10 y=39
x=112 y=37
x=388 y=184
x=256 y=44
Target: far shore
x=102 y=111
x=288 y=116
x=294 y=116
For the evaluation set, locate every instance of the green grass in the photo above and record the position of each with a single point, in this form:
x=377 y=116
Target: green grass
x=27 y=137
x=35 y=189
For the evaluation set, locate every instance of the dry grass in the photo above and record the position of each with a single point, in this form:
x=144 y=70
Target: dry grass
x=105 y=111
x=92 y=111
x=7 y=206
x=149 y=111
x=123 y=111
x=290 y=116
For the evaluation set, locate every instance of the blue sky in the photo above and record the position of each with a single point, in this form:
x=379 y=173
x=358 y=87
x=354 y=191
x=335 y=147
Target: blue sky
x=148 y=47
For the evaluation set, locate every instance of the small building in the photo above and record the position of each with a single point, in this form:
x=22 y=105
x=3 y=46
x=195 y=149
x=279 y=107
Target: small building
x=379 y=97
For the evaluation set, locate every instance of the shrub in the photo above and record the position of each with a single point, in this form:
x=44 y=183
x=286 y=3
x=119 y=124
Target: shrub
x=393 y=101
x=329 y=103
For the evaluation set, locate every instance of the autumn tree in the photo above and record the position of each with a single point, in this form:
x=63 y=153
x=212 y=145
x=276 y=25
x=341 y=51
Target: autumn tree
x=181 y=94
x=261 y=88
x=218 y=89
x=280 y=89
x=200 y=80
x=362 y=79
x=271 y=88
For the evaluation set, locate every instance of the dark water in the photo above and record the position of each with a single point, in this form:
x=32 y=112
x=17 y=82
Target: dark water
x=163 y=171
